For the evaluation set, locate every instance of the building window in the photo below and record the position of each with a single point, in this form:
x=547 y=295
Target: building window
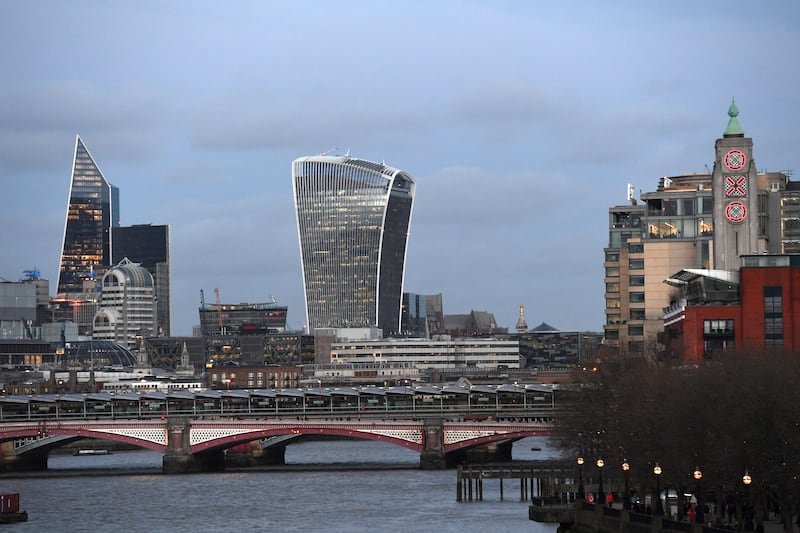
x=705 y=226
x=635 y=330
x=613 y=319
x=612 y=303
x=636 y=346
x=612 y=257
x=718 y=327
x=612 y=334
x=612 y=272
x=612 y=286
x=637 y=314
x=636 y=297
x=636 y=264
x=773 y=316
x=636 y=281
x=706 y=205
x=635 y=248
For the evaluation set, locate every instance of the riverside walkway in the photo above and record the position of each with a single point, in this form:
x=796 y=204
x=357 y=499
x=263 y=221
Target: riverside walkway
x=583 y=517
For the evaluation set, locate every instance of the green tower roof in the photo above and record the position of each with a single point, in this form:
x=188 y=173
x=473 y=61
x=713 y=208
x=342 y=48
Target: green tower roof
x=733 y=129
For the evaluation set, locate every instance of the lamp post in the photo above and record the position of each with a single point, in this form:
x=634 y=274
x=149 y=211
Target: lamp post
x=748 y=515
x=581 y=493
x=601 y=498
x=699 y=513
x=626 y=502
x=658 y=511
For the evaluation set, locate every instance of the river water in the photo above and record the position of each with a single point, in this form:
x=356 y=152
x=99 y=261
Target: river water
x=331 y=486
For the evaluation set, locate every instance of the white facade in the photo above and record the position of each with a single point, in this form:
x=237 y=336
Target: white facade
x=127 y=308
x=473 y=352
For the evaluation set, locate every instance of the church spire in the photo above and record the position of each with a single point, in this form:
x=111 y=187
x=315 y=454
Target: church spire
x=522 y=326
x=733 y=129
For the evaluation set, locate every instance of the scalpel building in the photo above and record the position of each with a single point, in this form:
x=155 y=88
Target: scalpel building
x=353 y=219
x=93 y=210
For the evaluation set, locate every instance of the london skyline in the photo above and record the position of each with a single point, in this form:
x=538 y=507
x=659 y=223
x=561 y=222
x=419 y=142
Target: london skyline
x=520 y=124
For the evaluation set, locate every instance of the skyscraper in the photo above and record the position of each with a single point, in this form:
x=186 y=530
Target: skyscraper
x=353 y=218
x=149 y=246
x=93 y=210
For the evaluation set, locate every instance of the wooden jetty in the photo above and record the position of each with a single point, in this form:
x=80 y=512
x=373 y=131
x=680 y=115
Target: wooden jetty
x=537 y=480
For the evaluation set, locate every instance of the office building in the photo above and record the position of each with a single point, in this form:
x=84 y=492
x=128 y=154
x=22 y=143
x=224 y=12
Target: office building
x=149 y=246
x=93 y=209
x=353 y=219
x=691 y=221
x=127 y=310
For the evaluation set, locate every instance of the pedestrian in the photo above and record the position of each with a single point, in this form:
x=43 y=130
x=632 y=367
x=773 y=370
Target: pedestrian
x=610 y=499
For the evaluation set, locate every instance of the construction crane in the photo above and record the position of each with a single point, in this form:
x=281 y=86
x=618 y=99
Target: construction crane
x=219 y=310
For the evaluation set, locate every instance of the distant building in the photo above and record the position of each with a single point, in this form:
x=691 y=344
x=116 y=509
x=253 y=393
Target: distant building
x=242 y=319
x=127 y=310
x=353 y=219
x=438 y=353
x=17 y=310
x=93 y=209
x=149 y=246
x=472 y=324
x=258 y=377
x=414 y=319
x=545 y=346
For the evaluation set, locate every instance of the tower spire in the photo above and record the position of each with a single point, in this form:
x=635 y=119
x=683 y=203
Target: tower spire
x=733 y=129
x=522 y=326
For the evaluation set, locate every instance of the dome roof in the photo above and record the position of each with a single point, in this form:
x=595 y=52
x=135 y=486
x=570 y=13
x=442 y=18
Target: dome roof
x=98 y=354
x=128 y=273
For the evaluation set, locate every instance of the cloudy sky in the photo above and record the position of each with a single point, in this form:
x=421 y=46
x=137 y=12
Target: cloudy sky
x=522 y=122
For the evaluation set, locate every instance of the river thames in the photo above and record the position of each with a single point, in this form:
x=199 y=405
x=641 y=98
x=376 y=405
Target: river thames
x=332 y=486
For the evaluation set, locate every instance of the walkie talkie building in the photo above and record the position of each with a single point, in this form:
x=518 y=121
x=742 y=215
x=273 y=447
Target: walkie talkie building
x=353 y=218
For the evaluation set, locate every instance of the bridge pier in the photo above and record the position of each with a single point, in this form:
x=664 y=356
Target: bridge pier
x=28 y=462
x=252 y=454
x=433 y=456
x=178 y=458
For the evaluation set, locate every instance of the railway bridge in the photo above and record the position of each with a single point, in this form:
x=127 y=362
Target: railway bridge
x=197 y=444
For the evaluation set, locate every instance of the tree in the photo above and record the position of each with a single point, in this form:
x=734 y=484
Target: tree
x=738 y=413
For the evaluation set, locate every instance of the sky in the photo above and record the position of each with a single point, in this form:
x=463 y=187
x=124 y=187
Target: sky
x=521 y=122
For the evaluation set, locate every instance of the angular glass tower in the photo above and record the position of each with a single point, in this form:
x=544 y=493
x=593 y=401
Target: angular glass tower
x=353 y=218
x=93 y=210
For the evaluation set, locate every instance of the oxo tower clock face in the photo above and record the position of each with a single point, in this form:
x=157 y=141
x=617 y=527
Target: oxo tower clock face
x=736 y=212
x=735 y=160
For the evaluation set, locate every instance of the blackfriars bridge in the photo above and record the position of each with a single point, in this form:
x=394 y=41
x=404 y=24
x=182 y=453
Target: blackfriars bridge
x=193 y=430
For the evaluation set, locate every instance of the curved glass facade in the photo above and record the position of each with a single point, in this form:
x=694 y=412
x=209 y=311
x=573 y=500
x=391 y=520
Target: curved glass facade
x=93 y=210
x=353 y=218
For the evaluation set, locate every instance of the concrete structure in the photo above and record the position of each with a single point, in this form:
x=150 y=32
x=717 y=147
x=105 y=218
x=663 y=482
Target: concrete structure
x=691 y=221
x=353 y=219
x=127 y=311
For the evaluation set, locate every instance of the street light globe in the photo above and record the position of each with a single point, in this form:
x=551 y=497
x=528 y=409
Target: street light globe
x=657 y=470
x=698 y=475
x=600 y=463
x=746 y=479
x=580 y=461
x=626 y=466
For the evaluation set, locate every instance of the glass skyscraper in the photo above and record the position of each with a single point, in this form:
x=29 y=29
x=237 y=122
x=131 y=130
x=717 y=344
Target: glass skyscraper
x=93 y=210
x=353 y=219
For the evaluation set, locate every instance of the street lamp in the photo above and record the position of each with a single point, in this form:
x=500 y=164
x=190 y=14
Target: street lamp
x=579 y=460
x=601 y=492
x=658 y=509
x=748 y=515
x=699 y=514
x=626 y=502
